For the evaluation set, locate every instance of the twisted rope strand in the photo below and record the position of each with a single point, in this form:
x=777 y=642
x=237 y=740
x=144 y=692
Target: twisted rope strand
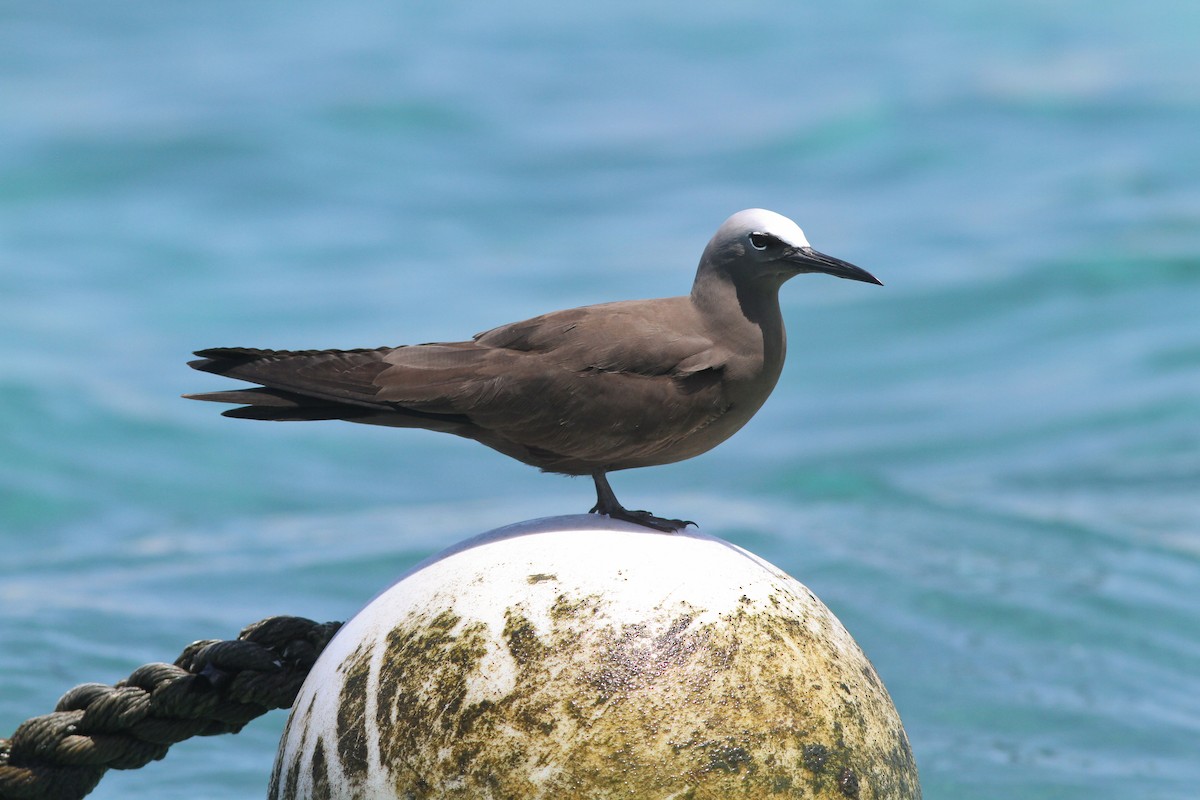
x=213 y=687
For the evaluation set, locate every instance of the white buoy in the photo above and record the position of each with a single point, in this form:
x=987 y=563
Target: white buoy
x=580 y=657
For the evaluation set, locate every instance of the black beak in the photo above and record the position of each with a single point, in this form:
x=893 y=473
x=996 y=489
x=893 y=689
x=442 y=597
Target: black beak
x=809 y=260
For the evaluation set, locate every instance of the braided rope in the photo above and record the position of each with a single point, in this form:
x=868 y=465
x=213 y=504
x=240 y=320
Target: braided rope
x=213 y=687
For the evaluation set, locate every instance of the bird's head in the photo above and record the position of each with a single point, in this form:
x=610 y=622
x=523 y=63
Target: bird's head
x=756 y=246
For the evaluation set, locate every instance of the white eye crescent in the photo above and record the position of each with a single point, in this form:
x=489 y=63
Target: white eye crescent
x=760 y=241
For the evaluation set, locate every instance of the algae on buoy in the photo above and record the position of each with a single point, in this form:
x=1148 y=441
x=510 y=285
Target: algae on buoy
x=582 y=657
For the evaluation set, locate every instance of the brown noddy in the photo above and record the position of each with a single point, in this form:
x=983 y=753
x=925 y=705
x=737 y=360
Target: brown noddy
x=580 y=392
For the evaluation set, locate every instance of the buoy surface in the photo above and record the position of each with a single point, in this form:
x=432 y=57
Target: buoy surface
x=581 y=657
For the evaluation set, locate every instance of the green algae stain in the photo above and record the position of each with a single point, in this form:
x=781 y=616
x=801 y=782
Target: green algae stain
x=522 y=640
x=319 y=772
x=285 y=782
x=751 y=705
x=352 y=714
x=728 y=757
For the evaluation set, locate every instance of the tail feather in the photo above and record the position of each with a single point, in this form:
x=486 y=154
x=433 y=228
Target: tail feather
x=312 y=385
x=220 y=359
x=260 y=396
x=309 y=414
x=264 y=403
x=304 y=377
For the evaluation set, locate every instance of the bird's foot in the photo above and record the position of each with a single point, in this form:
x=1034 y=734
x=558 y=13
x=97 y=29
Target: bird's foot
x=643 y=518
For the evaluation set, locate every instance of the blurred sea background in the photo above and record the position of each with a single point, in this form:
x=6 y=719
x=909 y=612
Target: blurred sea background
x=988 y=468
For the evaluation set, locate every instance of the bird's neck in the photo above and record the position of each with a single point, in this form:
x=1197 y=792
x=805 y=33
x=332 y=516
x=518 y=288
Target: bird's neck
x=745 y=317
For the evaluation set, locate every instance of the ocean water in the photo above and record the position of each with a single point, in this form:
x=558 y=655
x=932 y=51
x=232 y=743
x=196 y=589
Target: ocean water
x=988 y=468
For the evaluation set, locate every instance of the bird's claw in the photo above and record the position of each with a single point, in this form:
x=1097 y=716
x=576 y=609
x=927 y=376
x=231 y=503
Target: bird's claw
x=644 y=518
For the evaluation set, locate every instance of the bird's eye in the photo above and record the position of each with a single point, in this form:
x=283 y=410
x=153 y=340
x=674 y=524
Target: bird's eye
x=760 y=240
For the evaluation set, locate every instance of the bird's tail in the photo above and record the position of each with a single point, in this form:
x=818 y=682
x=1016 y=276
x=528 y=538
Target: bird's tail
x=278 y=405
x=302 y=385
x=268 y=402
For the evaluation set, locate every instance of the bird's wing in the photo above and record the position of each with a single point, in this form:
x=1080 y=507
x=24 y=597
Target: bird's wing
x=619 y=380
x=543 y=356
x=639 y=337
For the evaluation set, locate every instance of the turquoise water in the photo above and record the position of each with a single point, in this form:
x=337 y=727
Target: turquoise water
x=989 y=468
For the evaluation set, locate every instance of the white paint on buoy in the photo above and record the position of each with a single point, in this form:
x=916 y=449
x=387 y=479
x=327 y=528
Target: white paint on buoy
x=582 y=657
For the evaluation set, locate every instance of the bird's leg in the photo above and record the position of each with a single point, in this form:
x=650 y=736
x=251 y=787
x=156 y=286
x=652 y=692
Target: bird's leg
x=608 y=505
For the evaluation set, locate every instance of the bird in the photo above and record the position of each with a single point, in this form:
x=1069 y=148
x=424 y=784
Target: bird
x=583 y=391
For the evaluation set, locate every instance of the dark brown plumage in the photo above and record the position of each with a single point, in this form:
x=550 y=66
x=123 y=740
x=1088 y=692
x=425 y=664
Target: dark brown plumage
x=582 y=392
